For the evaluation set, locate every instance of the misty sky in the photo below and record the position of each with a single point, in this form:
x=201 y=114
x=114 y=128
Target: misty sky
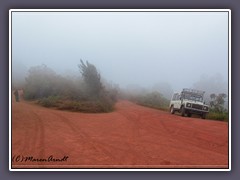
x=143 y=48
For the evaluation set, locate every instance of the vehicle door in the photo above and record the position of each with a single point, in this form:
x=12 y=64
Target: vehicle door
x=178 y=101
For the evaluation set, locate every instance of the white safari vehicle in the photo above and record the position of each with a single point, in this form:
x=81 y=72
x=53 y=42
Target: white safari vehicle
x=189 y=101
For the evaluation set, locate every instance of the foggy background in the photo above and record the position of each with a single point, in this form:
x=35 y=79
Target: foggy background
x=138 y=51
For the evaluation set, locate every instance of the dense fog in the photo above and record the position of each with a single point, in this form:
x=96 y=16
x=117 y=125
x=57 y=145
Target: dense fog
x=138 y=52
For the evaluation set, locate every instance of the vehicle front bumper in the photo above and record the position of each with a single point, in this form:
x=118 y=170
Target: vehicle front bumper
x=194 y=111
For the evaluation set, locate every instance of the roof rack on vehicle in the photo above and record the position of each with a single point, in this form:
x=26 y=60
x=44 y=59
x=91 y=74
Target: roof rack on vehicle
x=193 y=91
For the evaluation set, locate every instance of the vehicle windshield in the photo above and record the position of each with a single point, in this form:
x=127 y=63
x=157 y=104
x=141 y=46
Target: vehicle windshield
x=193 y=97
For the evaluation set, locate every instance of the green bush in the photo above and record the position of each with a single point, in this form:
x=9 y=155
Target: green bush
x=51 y=101
x=86 y=94
x=85 y=106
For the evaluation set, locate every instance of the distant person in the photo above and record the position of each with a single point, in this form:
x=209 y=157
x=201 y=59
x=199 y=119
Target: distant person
x=21 y=94
x=16 y=95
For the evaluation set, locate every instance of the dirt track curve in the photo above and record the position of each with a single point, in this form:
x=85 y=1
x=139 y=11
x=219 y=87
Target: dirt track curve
x=130 y=137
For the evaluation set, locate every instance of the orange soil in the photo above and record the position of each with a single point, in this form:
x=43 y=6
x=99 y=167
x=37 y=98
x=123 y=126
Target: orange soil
x=130 y=137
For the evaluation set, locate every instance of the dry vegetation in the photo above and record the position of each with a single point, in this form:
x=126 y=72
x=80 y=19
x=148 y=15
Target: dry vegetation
x=85 y=94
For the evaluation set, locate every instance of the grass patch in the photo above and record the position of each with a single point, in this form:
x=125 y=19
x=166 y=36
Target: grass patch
x=86 y=106
x=154 y=106
x=77 y=106
x=221 y=116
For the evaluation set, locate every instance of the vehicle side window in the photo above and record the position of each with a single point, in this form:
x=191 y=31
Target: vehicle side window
x=175 y=97
x=178 y=97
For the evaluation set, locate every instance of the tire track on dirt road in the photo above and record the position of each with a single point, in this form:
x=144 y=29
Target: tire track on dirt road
x=31 y=141
x=40 y=136
x=183 y=131
x=79 y=134
x=33 y=144
x=134 y=121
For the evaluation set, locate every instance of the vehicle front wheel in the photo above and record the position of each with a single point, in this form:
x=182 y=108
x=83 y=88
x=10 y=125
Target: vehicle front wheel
x=182 y=111
x=172 y=110
x=204 y=116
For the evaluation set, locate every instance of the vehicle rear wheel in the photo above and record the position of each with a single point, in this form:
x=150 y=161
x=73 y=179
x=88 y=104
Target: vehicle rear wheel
x=182 y=111
x=189 y=114
x=172 y=110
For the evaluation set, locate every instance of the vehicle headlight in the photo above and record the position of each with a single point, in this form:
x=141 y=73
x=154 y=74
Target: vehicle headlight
x=205 y=108
x=188 y=104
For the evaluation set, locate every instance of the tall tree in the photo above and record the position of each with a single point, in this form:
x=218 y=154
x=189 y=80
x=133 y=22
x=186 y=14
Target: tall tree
x=217 y=102
x=91 y=77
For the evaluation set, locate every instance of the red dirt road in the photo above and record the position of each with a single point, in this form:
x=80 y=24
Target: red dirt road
x=130 y=137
